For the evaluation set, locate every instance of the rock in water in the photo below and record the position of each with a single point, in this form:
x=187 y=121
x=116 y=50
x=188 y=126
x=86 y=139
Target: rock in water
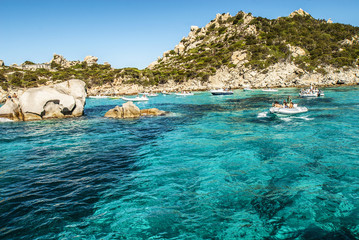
x=116 y=112
x=130 y=110
x=34 y=100
x=66 y=99
x=152 y=112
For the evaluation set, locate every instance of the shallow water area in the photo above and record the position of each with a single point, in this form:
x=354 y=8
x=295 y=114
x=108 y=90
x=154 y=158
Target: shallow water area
x=217 y=167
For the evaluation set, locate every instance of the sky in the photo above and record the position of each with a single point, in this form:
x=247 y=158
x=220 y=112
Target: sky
x=130 y=33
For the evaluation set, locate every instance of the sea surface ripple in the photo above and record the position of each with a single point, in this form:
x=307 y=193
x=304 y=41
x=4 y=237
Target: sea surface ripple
x=217 y=167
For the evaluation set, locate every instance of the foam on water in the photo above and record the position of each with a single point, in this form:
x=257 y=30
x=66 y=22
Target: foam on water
x=291 y=118
x=5 y=120
x=262 y=115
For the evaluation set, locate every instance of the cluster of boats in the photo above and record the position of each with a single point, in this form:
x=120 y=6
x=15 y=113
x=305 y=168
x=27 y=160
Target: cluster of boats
x=287 y=108
x=144 y=96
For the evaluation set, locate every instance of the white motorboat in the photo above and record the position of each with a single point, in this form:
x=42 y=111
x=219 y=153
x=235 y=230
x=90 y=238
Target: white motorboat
x=247 y=89
x=136 y=99
x=221 y=92
x=270 y=90
x=151 y=94
x=184 y=94
x=166 y=93
x=311 y=93
x=288 y=111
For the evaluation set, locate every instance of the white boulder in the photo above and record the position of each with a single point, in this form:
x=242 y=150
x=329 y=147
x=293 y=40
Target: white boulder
x=66 y=99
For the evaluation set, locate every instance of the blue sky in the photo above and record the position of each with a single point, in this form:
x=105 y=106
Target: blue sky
x=129 y=33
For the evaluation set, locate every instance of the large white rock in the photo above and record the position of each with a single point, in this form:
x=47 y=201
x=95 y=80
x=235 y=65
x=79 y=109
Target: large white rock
x=35 y=99
x=66 y=99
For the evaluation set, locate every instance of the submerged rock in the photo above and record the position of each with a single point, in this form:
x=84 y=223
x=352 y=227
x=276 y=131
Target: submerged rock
x=152 y=112
x=62 y=100
x=130 y=110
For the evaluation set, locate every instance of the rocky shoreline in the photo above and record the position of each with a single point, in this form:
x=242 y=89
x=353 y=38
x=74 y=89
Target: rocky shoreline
x=280 y=75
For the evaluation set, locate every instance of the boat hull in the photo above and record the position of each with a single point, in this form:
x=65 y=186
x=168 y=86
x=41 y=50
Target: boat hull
x=311 y=94
x=269 y=90
x=184 y=94
x=288 y=111
x=222 y=93
x=135 y=99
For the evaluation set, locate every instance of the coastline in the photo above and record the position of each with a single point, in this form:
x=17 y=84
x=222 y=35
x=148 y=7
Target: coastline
x=126 y=90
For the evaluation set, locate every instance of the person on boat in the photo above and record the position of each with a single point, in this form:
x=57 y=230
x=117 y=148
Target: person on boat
x=284 y=104
x=289 y=99
x=290 y=104
x=276 y=104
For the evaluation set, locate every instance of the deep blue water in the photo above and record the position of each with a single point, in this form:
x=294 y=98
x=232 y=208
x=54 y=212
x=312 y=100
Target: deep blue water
x=217 y=167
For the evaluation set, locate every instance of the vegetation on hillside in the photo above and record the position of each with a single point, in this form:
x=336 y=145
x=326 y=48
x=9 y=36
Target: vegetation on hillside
x=265 y=41
x=324 y=44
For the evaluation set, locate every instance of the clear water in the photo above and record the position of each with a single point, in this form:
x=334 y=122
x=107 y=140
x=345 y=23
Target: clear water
x=218 y=167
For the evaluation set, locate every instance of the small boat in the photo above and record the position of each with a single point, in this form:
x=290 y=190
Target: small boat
x=288 y=111
x=247 y=89
x=270 y=90
x=166 y=93
x=136 y=99
x=184 y=94
x=151 y=94
x=311 y=93
x=221 y=92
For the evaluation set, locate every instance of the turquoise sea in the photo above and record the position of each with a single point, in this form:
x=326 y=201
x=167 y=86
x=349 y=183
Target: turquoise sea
x=217 y=167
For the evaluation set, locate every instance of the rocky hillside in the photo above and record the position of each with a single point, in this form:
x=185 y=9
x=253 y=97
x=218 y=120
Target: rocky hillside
x=235 y=51
x=258 y=51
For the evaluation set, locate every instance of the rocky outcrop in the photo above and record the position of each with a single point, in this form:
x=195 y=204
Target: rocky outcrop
x=90 y=60
x=2 y=63
x=299 y=12
x=239 y=57
x=130 y=110
x=296 y=51
x=61 y=100
x=60 y=60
